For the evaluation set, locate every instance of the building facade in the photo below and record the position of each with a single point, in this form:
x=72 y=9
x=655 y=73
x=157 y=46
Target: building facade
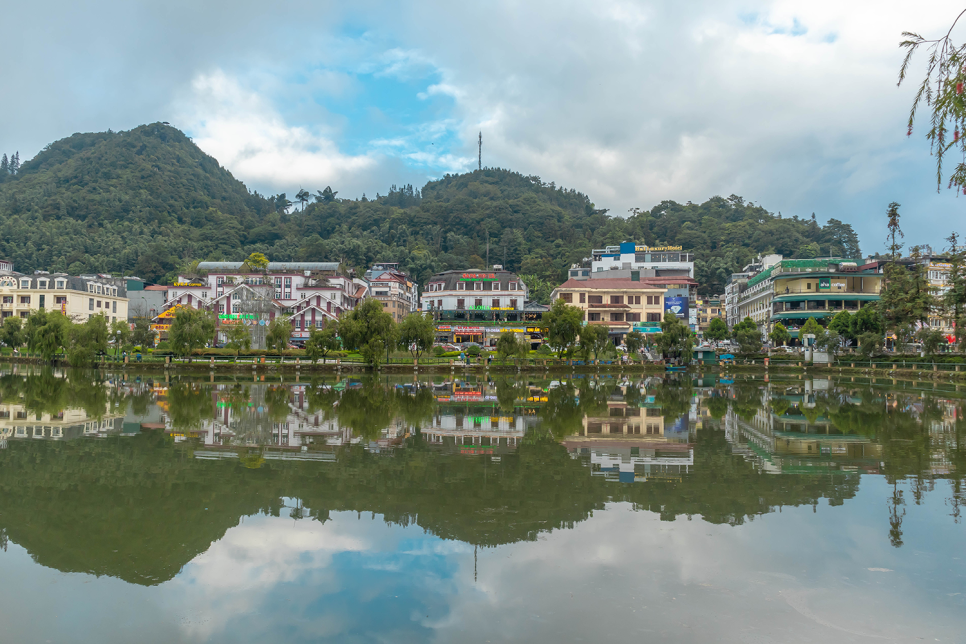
x=79 y=298
x=397 y=292
x=622 y=305
x=475 y=295
x=658 y=261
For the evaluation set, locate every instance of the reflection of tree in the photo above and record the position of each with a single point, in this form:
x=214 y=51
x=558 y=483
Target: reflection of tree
x=277 y=403
x=747 y=400
x=189 y=404
x=367 y=410
x=415 y=408
x=673 y=394
x=896 y=513
x=717 y=406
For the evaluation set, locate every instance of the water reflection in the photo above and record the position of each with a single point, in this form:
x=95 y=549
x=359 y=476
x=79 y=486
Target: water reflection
x=136 y=477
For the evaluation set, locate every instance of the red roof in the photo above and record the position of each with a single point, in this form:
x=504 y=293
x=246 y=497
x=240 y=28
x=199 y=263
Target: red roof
x=156 y=287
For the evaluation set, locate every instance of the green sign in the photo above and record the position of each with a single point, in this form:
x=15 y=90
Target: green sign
x=237 y=316
x=825 y=283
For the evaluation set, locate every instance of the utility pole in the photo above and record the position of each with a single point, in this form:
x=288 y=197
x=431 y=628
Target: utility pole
x=479 y=159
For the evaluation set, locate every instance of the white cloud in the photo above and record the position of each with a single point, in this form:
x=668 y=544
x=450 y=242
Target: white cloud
x=246 y=134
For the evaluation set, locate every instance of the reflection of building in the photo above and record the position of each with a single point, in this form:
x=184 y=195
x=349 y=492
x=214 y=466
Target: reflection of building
x=634 y=443
x=17 y=422
x=476 y=434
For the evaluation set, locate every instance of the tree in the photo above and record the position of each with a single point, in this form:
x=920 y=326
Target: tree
x=11 y=332
x=87 y=341
x=895 y=246
x=635 y=342
x=508 y=345
x=675 y=339
x=563 y=326
x=749 y=340
x=828 y=341
x=745 y=325
x=594 y=339
x=238 y=338
x=46 y=332
x=256 y=262
x=868 y=320
x=120 y=334
x=870 y=344
x=717 y=330
x=191 y=329
x=282 y=204
x=932 y=340
x=369 y=330
x=279 y=333
x=303 y=196
x=779 y=335
x=416 y=333
x=322 y=341
x=142 y=335
x=842 y=324
x=942 y=92
x=954 y=299
x=325 y=196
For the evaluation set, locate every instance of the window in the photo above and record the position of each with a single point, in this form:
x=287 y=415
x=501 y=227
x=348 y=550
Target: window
x=42 y=303
x=650 y=299
x=593 y=317
x=8 y=299
x=278 y=295
x=477 y=286
x=298 y=324
x=288 y=282
x=583 y=298
x=42 y=284
x=809 y=286
x=461 y=286
x=513 y=286
x=596 y=299
x=61 y=284
x=478 y=302
x=90 y=304
x=616 y=299
x=221 y=308
x=495 y=304
x=513 y=304
x=113 y=306
x=221 y=280
x=496 y=286
x=25 y=299
x=460 y=304
x=653 y=317
x=616 y=317
x=60 y=299
x=567 y=297
x=439 y=304
x=637 y=299
x=633 y=317
x=25 y=283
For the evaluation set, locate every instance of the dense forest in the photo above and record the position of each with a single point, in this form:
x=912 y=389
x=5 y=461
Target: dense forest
x=149 y=202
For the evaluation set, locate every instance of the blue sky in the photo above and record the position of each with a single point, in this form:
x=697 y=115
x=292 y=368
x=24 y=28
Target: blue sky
x=790 y=105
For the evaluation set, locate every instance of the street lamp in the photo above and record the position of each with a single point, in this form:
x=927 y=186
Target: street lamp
x=117 y=345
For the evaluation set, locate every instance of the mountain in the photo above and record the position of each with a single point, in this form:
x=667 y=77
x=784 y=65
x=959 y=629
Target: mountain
x=149 y=201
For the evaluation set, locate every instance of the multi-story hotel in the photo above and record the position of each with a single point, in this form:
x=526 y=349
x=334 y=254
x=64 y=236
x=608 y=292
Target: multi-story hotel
x=658 y=261
x=310 y=292
x=475 y=295
x=623 y=305
x=76 y=297
x=394 y=289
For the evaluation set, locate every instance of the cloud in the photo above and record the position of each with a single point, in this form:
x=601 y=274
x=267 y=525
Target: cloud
x=633 y=102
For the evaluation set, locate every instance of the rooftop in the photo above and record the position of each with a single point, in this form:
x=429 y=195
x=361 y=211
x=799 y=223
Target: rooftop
x=272 y=266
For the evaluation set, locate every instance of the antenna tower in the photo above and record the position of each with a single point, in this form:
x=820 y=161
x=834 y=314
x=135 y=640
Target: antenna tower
x=479 y=159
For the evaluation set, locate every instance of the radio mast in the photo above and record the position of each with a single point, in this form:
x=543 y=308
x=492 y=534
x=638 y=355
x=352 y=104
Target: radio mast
x=479 y=159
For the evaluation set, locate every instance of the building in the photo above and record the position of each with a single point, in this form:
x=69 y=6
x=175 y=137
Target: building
x=309 y=292
x=397 y=292
x=658 y=261
x=708 y=309
x=623 y=305
x=6 y=265
x=475 y=295
x=737 y=284
x=820 y=288
x=79 y=298
x=144 y=300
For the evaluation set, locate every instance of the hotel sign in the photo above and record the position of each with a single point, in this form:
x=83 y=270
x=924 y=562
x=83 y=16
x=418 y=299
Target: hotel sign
x=479 y=277
x=648 y=249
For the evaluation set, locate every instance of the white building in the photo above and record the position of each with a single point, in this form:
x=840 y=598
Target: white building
x=658 y=261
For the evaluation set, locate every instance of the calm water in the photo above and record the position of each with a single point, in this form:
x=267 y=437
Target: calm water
x=688 y=509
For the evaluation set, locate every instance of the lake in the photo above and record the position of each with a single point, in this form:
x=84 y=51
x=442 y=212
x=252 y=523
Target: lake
x=687 y=508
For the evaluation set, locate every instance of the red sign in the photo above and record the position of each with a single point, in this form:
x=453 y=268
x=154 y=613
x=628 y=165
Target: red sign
x=479 y=277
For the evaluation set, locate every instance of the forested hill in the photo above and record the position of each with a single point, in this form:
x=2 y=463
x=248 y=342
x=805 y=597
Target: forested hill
x=149 y=201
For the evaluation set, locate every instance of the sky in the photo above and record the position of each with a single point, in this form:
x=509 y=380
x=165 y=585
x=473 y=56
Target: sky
x=791 y=105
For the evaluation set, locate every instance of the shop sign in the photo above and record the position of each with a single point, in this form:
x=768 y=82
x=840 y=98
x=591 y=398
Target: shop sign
x=492 y=308
x=825 y=283
x=504 y=329
x=647 y=329
x=188 y=284
x=677 y=305
x=160 y=327
x=173 y=311
x=237 y=316
x=468 y=329
x=479 y=277
x=444 y=327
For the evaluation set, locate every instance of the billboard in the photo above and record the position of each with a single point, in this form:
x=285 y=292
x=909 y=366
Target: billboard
x=678 y=306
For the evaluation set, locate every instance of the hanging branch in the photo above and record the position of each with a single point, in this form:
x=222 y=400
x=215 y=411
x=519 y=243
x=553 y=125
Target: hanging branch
x=942 y=91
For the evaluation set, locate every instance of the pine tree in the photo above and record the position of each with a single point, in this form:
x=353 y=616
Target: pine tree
x=15 y=163
x=954 y=300
x=4 y=166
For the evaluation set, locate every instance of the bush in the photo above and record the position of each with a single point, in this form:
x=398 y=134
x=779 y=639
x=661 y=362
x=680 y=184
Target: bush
x=473 y=351
x=544 y=350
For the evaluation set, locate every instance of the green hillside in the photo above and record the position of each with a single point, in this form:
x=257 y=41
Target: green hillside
x=148 y=201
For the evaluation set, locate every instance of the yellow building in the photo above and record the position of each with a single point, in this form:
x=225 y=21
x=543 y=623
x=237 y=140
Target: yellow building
x=623 y=305
x=79 y=298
